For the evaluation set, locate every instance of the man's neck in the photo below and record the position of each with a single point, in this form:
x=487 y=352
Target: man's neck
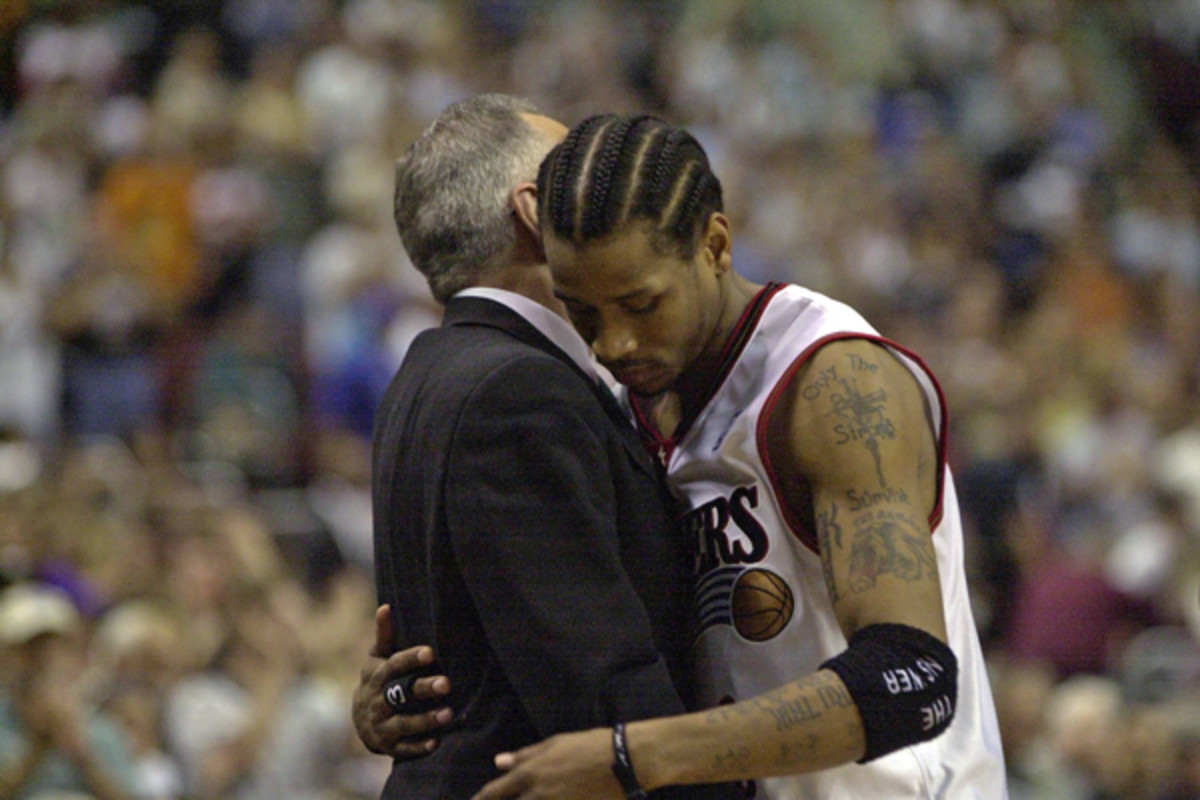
x=694 y=386
x=528 y=280
x=663 y=411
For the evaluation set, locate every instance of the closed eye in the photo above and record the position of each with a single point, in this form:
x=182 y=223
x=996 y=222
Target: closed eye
x=643 y=307
x=574 y=307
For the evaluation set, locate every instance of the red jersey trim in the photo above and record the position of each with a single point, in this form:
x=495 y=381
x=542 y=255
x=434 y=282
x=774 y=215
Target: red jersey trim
x=791 y=516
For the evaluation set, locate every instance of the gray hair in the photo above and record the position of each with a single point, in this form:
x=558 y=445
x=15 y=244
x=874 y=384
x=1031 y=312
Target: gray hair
x=453 y=188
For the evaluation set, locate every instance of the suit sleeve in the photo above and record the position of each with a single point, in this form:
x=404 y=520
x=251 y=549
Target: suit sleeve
x=531 y=510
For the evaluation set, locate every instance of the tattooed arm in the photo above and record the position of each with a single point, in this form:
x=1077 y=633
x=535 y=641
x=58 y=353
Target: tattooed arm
x=857 y=448
x=853 y=446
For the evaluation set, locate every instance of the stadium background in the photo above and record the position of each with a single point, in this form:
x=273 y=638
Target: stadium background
x=202 y=297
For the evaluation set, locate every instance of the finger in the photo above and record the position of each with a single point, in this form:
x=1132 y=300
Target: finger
x=506 y=761
x=401 y=736
x=384 y=632
x=402 y=662
x=508 y=785
x=407 y=750
x=434 y=687
x=410 y=726
x=410 y=695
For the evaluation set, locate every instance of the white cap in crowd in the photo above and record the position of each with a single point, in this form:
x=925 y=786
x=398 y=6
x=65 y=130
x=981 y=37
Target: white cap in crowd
x=30 y=609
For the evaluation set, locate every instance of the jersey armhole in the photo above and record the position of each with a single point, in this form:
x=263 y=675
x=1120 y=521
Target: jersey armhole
x=924 y=378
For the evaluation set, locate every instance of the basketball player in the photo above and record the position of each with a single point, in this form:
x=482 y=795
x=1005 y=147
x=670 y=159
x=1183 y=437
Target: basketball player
x=834 y=622
x=520 y=528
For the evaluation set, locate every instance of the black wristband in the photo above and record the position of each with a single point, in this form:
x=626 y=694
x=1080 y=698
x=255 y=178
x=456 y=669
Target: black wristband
x=623 y=766
x=904 y=682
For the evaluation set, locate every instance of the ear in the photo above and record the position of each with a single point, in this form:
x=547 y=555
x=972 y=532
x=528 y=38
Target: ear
x=718 y=243
x=524 y=203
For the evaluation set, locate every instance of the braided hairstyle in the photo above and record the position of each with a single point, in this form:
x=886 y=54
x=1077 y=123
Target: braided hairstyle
x=613 y=170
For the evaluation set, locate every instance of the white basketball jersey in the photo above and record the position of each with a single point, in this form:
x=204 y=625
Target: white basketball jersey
x=746 y=535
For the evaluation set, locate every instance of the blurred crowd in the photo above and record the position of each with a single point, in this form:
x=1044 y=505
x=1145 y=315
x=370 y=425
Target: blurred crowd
x=202 y=297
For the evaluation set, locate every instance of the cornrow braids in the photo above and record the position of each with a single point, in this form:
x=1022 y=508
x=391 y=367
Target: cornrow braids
x=701 y=185
x=606 y=180
x=644 y=155
x=613 y=171
x=560 y=175
x=585 y=166
x=558 y=194
x=666 y=161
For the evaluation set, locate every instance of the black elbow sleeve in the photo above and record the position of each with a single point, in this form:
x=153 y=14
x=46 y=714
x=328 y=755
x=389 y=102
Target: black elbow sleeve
x=904 y=682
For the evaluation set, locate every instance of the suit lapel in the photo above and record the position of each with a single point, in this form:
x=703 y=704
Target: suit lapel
x=484 y=312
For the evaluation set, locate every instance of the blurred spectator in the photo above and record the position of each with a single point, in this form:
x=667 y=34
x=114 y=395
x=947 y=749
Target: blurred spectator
x=52 y=739
x=137 y=649
x=344 y=91
x=193 y=92
x=1085 y=721
x=340 y=494
x=1068 y=614
x=253 y=723
x=138 y=710
x=245 y=405
x=361 y=312
x=28 y=359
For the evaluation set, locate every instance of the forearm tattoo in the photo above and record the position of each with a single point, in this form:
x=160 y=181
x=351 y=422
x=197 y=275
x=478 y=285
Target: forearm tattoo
x=797 y=710
x=735 y=757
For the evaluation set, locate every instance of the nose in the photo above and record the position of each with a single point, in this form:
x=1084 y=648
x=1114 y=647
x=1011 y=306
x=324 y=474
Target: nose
x=613 y=342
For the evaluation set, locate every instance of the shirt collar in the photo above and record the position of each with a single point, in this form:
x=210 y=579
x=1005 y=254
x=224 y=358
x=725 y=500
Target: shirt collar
x=549 y=324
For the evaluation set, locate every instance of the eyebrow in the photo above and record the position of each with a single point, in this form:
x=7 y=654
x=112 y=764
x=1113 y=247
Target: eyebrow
x=627 y=296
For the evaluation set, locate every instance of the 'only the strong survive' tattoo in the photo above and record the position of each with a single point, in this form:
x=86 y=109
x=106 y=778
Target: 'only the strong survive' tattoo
x=862 y=419
x=859 y=418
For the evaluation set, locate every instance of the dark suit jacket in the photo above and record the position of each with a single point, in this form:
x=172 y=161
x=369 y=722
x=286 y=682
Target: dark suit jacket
x=522 y=530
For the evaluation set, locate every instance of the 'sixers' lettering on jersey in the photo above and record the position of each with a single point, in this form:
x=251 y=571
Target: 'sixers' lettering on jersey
x=726 y=531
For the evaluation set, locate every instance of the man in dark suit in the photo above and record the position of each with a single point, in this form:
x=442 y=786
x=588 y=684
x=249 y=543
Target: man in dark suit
x=520 y=528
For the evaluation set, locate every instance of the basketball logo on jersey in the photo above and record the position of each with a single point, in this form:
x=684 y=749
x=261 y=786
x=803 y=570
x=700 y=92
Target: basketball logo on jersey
x=761 y=604
x=757 y=602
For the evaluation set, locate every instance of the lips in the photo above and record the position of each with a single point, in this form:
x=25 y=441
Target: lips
x=637 y=375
